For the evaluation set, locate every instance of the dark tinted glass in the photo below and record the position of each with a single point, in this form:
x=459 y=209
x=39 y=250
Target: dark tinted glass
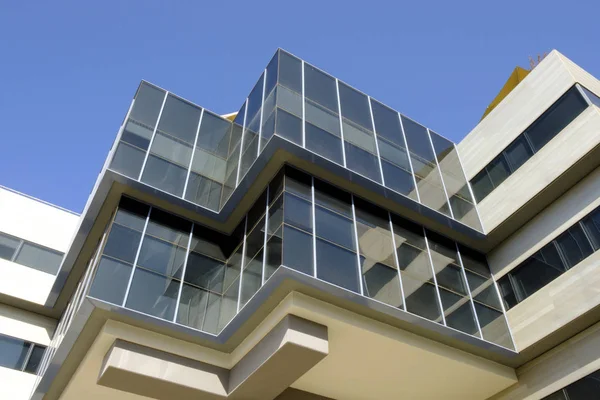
x=164 y=175
x=498 y=170
x=179 y=119
x=8 y=246
x=337 y=265
x=122 y=243
x=128 y=160
x=518 y=152
x=320 y=88
x=463 y=319
x=290 y=71
x=272 y=74
x=421 y=298
x=556 y=118
x=198 y=308
x=162 y=257
x=592 y=226
x=333 y=198
x=398 y=179
x=148 y=101
x=323 y=143
x=299 y=183
x=203 y=191
x=254 y=101
x=298 y=250
x=252 y=278
x=381 y=282
x=131 y=213
x=574 y=245
x=34 y=359
x=205 y=272
x=355 y=106
x=508 y=294
x=214 y=134
x=273 y=258
x=12 y=352
x=289 y=126
x=418 y=139
x=298 y=212
x=387 y=123
x=153 y=294
x=334 y=227
x=532 y=275
x=137 y=135
x=586 y=388
x=111 y=280
x=481 y=185
x=363 y=162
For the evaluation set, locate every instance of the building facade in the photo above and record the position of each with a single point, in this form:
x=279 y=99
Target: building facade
x=317 y=244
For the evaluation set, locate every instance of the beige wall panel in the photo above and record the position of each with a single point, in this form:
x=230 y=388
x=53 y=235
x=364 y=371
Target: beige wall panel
x=538 y=91
x=574 y=142
x=581 y=76
x=563 y=365
x=579 y=201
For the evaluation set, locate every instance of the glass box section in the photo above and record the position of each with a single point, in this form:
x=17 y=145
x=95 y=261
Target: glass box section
x=167 y=267
x=191 y=153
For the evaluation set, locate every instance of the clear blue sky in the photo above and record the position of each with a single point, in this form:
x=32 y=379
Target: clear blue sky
x=70 y=68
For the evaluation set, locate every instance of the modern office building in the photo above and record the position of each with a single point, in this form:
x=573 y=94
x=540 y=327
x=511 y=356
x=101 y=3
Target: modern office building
x=318 y=245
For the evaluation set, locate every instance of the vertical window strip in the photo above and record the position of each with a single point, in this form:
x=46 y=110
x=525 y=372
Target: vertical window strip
x=137 y=255
x=162 y=107
x=187 y=177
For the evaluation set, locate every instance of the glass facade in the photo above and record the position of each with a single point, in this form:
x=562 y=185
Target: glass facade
x=185 y=150
x=537 y=135
x=585 y=388
x=20 y=355
x=170 y=268
x=564 y=252
x=29 y=254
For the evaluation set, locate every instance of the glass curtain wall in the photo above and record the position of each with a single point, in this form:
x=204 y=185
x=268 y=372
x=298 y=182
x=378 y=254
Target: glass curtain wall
x=191 y=153
x=167 y=267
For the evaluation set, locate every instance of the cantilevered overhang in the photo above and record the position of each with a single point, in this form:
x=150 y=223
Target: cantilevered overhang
x=369 y=350
x=112 y=185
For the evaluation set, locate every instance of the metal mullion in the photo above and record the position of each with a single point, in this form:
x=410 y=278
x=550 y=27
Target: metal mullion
x=303 y=109
x=18 y=250
x=28 y=356
x=586 y=234
x=412 y=169
x=582 y=93
x=314 y=229
x=337 y=89
x=262 y=111
x=153 y=135
x=397 y=261
x=437 y=162
x=360 y=283
x=187 y=255
x=264 y=263
x=376 y=141
x=187 y=178
x=137 y=255
x=474 y=201
x=437 y=288
x=242 y=263
x=464 y=273
x=239 y=166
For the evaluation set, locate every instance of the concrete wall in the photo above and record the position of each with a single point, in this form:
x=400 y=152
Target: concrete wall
x=17 y=385
x=563 y=365
x=37 y=222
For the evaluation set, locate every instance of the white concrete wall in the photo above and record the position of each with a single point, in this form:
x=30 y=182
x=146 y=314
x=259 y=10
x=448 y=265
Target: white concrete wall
x=37 y=222
x=17 y=385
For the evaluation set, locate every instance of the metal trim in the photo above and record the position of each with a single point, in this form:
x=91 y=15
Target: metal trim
x=137 y=255
x=339 y=102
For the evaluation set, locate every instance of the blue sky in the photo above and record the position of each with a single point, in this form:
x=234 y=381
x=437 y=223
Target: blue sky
x=69 y=69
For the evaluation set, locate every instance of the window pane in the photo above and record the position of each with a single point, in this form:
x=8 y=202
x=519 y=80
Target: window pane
x=153 y=294
x=172 y=149
x=592 y=226
x=8 y=246
x=128 y=160
x=299 y=183
x=363 y=162
x=297 y=250
x=387 y=123
x=462 y=318
x=322 y=118
x=320 y=88
x=289 y=126
x=205 y=272
x=229 y=304
x=556 y=118
x=148 y=101
x=275 y=215
x=164 y=175
x=162 y=257
x=203 y=191
x=290 y=71
x=508 y=294
x=214 y=134
x=39 y=258
x=179 y=119
x=585 y=388
x=251 y=277
x=34 y=359
x=493 y=326
x=355 y=106
x=274 y=253
x=574 y=245
x=323 y=143
x=334 y=227
x=532 y=275
x=111 y=280
x=122 y=243
x=272 y=75
x=298 y=212
x=289 y=101
x=131 y=214
x=498 y=170
x=333 y=198
x=359 y=137
x=518 y=152
x=209 y=165
x=394 y=154
x=199 y=309
x=381 y=282
x=337 y=265
x=418 y=139
x=12 y=352
x=421 y=297
x=168 y=227
x=137 y=134
x=481 y=185
x=399 y=180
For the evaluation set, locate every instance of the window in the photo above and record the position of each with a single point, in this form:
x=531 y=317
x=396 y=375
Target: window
x=20 y=355
x=551 y=261
x=29 y=254
x=585 y=388
x=536 y=136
